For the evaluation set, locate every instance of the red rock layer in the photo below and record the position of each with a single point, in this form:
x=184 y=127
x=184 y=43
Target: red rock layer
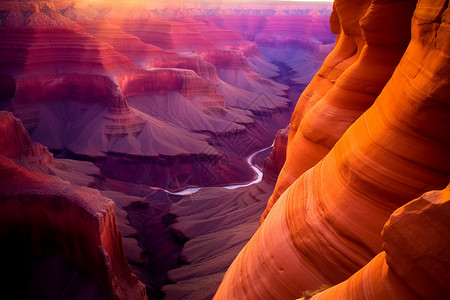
x=44 y=216
x=142 y=54
x=16 y=143
x=47 y=57
x=326 y=225
x=414 y=261
x=168 y=34
x=370 y=43
x=33 y=6
x=164 y=80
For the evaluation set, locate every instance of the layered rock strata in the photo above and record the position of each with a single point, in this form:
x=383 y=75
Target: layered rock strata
x=327 y=224
x=84 y=86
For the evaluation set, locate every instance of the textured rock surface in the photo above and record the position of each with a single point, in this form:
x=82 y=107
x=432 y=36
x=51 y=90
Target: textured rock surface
x=61 y=240
x=327 y=224
x=414 y=263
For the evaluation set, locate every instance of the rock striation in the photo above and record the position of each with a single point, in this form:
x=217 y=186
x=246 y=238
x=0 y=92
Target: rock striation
x=61 y=240
x=413 y=263
x=326 y=225
x=351 y=78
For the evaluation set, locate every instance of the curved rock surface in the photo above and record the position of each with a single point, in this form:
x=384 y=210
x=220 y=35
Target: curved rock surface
x=348 y=83
x=327 y=224
x=414 y=260
x=61 y=240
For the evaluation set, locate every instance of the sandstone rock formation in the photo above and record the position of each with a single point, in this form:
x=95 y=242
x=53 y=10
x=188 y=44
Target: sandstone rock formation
x=414 y=261
x=327 y=223
x=60 y=240
x=347 y=84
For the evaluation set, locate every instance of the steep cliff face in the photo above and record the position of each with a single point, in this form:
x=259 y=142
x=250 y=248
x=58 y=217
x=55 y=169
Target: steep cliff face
x=367 y=51
x=276 y=159
x=327 y=223
x=61 y=240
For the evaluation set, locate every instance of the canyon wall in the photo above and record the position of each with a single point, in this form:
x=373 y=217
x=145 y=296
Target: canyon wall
x=324 y=223
x=347 y=84
x=59 y=239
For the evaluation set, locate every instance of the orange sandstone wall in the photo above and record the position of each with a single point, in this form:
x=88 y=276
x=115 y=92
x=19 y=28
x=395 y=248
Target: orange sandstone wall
x=414 y=257
x=372 y=37
x=326 y=225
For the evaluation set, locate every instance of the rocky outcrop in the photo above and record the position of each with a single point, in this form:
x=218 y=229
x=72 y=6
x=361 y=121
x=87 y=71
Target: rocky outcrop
x=140 y=53
x=275 y=161
x=17 y=145
x=327 y=224
x=414 y=260
x=61 y=240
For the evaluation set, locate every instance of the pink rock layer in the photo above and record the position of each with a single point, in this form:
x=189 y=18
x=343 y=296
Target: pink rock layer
x=327 y=224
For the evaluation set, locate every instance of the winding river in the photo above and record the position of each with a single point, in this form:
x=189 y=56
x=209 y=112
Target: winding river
x=250 y=158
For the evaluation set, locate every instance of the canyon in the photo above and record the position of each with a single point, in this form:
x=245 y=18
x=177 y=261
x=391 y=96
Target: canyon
x=139 y=107
x=165 y=150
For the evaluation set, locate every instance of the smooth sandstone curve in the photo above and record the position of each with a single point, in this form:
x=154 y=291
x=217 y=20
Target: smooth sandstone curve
x=372 y=38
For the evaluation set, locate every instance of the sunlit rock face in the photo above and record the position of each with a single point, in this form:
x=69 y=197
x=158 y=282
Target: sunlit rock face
x=61 y=240
x=412 y=263
x=17 y=145
x=326 y=225
x=353 y=75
